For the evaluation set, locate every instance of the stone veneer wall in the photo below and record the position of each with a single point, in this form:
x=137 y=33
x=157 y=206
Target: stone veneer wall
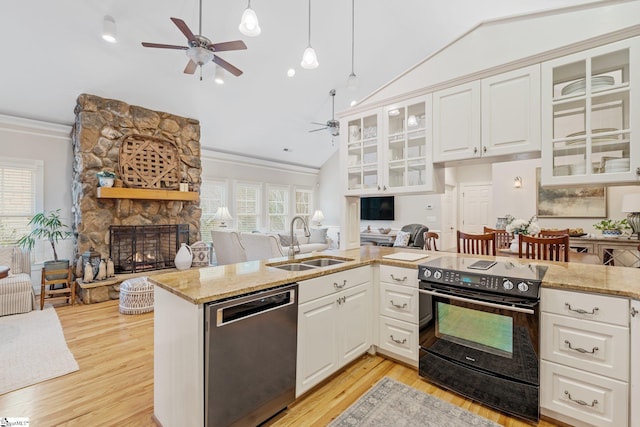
x=100 y=126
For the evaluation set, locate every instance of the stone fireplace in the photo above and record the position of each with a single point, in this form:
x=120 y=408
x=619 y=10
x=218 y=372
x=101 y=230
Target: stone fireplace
x=101 y=127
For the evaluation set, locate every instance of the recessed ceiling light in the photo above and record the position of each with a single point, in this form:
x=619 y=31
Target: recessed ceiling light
x=354 y=102
x=291 y=72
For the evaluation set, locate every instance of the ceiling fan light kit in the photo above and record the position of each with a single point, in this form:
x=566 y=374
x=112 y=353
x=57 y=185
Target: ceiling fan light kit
x=309 y=57
x=333 y=126
x=249 y=25
x=109 y=29
x=219 y=77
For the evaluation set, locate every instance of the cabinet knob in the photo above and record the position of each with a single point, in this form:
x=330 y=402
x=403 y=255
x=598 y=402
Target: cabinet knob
x=484 y=148
x=475 y=150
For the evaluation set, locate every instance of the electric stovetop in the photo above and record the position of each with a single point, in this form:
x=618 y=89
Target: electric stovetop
x=499 y=268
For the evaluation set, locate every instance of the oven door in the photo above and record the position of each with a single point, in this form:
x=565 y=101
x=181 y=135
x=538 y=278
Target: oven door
x=483 y=349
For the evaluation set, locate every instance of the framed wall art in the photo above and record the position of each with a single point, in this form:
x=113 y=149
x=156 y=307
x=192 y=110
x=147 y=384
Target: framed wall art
x=581 y=201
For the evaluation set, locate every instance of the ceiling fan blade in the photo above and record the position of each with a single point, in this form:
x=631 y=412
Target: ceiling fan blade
x=164 y=46
x=224 y=64
x=185 y=30
x=320 y=124
x=191 y=67
x=316 y=130
x=224 y=46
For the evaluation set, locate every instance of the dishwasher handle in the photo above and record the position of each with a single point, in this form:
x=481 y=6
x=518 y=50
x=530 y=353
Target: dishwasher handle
x=253 y=307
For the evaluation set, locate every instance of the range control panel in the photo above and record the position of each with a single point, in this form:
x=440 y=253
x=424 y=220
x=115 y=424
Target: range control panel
x=522 y=287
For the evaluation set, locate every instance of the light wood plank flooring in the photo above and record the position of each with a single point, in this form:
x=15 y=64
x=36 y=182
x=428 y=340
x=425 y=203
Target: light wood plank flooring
x=114 y=385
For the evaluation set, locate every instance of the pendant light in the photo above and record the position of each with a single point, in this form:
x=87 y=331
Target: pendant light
x=309 y=58
x=249 y=25
x=352 y=80
x=109 y=29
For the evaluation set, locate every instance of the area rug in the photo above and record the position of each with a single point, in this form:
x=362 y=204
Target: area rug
x=32 y=349
x=391 y=403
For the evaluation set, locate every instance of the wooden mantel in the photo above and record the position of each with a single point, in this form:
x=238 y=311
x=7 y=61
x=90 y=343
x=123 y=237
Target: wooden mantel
x=145 y=194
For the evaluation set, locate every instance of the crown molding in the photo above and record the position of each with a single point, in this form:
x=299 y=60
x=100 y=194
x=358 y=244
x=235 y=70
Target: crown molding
x=237 y=159
x=35 y=127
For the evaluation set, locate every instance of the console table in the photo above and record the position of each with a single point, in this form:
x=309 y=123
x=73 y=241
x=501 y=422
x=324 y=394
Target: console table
x=377 y=238
x=619 y=251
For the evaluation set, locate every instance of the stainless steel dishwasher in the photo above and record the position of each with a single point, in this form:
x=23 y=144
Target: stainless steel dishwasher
x=250 y=357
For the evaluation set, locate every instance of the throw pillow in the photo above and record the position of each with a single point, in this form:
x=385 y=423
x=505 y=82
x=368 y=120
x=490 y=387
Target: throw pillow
x=318 y=235
x=402 y=238
x=285 y=240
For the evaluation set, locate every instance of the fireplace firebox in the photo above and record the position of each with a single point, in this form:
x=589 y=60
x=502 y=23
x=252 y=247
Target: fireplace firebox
x=135 y=248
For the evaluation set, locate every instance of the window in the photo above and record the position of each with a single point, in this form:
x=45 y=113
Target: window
x=247 y=206
x=19 y=181
x=277 y=208
x=303 y=205
x=213 y=195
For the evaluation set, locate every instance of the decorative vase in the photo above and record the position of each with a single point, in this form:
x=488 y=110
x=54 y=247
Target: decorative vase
x=184 y=257
x=105 y=181
x=515 y=243
x=611 y=233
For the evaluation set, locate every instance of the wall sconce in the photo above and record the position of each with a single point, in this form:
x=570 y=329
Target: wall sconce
x=109 y=29
x=517 y=182
x=223 y=215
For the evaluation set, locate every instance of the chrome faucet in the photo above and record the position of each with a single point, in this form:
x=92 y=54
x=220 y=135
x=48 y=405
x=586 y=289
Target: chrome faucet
x=292 y=250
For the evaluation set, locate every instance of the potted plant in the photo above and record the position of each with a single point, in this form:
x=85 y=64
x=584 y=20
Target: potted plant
x=612 y=227
x=106 y=178
x=47 y=226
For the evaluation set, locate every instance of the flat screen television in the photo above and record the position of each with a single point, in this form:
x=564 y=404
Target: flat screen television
x=377 y=208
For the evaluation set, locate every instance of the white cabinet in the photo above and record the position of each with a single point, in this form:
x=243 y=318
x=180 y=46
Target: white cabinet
x=389 y=150
x=635 y=363
x=495 y=116
x=334 y=324
x=399 y=311
x=584 y=348
x=590 y=116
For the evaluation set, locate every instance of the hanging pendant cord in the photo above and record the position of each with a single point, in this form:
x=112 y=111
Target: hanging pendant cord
x=353 y=19
x=309 y=22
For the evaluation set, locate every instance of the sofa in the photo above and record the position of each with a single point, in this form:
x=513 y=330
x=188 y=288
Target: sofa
x=316 y=241
x=16 y=291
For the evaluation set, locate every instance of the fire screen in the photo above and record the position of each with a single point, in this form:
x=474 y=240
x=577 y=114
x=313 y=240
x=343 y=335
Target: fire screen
x=135 y=248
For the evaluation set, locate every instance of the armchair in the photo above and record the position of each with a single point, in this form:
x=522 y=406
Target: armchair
x=416 y=236
x=16 y=290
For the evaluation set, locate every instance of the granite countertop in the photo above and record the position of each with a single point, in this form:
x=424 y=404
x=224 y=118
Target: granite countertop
x=209 y=284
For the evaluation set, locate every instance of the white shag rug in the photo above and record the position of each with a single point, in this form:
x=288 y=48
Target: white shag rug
x=32 y=349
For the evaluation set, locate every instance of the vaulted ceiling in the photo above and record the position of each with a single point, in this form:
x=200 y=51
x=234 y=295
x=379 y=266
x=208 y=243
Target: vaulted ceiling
x=52 y=51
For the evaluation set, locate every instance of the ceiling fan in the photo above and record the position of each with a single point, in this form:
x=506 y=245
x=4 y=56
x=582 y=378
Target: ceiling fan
x=333 y=126
x=200 y=49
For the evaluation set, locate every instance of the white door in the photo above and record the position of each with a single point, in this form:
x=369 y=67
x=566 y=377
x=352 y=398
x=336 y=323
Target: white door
x=635 y=357
x=449 y=218
x=475 y=207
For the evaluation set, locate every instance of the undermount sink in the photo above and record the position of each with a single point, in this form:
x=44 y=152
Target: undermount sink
x=308 y=264
x=293 y=267
x=322 y=262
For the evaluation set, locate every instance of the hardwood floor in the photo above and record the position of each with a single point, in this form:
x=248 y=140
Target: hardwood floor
x=114 y=385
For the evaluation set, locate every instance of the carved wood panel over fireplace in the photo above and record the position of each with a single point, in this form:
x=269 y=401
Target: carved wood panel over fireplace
x=101 y=127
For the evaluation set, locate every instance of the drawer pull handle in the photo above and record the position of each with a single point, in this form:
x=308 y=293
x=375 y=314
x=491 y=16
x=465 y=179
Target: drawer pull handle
x=402 y=341
x=581 y=350
x=398 y=280
x=580 y=402
x=335 y=284
x=342 y=300
x=581 y=311
x=399 y=306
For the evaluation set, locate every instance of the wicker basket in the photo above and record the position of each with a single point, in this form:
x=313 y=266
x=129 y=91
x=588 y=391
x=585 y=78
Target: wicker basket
x=136 y=296
x=149 y=162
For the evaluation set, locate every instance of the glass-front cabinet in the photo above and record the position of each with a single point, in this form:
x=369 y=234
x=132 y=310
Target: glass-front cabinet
x=362 y=154
x=389 y=150
x=591 y=116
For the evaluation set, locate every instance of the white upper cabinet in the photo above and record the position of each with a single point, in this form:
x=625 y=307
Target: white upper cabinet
x=495 y=116
x=590 y=116
x=389 y=150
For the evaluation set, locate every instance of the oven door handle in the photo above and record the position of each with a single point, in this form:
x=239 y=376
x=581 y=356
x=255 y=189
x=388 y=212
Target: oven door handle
x=478 y=302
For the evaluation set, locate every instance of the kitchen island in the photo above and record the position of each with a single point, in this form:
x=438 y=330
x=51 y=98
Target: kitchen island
x=180 y=298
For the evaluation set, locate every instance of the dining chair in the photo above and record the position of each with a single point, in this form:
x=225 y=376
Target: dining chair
x=554 y=248
x=477 y=244
x=554 y=233
x=430 y=239
x=503 y=237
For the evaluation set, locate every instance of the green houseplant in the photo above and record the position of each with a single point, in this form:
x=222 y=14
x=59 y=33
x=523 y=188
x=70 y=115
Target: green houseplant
x=47 y=226
x=612 y=227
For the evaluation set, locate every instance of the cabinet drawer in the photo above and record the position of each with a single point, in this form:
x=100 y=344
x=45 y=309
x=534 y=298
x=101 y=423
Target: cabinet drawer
x=398 y=337
x=586 y=306
x=325 y=285
x=595 y=347
x=594 y=399
x=399 y=302
x=399 y=275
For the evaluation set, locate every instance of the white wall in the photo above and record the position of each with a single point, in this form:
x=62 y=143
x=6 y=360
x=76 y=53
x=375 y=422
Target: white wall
x=330 y=190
